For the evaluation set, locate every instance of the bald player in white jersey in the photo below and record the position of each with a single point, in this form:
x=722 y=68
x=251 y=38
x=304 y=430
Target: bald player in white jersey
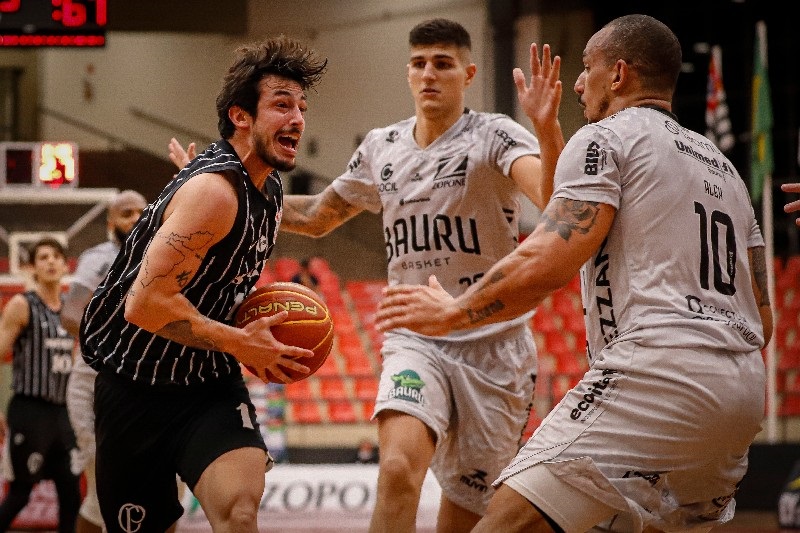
x=656 y=434
x=448 y=182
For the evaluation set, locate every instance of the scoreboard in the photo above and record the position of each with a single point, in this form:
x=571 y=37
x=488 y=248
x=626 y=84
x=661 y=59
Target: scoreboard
x=43 y=165
x=53 y=23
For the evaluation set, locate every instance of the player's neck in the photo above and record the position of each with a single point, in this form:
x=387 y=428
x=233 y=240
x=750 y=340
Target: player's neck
x=430 y=126
x=50 y=293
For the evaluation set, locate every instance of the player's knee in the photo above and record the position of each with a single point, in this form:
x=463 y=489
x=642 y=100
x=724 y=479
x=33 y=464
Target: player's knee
x=400 y=472
x=242 y=513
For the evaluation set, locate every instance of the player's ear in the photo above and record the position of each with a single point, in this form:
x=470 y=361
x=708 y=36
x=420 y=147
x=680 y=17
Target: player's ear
x=471 y=70
x=239 y=117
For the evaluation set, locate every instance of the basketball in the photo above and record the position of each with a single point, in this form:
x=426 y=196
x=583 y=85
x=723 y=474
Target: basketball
x=308 y=325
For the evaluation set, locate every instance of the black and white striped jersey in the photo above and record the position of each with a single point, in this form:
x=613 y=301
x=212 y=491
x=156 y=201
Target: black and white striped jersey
x=227 y=274
x=42 y=354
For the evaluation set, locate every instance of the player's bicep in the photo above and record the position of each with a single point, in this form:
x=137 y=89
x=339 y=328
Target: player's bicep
x=198 y=216
x=572 y=231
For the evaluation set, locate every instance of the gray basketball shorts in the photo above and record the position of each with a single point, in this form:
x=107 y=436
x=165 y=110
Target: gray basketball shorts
x=474 y=395
x=649 y=437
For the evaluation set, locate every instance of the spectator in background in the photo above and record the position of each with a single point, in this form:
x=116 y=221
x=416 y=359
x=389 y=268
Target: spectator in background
x=93 y=264
x=305 y=277
x=792 y=207
x=40 y=442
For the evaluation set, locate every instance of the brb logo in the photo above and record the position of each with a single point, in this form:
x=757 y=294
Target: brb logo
x=130 y=517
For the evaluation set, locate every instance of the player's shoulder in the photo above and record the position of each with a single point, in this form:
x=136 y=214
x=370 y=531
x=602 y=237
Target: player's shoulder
x=391 y=133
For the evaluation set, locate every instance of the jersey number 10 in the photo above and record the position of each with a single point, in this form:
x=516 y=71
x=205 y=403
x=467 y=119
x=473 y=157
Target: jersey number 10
x=719 y=220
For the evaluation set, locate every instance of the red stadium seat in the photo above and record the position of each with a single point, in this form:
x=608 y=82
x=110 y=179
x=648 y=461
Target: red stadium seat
x=307 y=412
x=342 y=412
x=299 y=391
x=333 y=388
x=366 y=387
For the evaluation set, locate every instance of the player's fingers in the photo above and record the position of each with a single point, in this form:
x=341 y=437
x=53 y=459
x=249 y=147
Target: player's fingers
x=792 y=206
x=272 y=320
x=790 y=187
x=519 y=81
x=536 y=66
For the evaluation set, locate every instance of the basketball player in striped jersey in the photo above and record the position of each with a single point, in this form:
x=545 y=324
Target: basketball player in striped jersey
x=448 y=182
x=93 y=264
x=169 y=396
x=39 y=441
x=655 y=436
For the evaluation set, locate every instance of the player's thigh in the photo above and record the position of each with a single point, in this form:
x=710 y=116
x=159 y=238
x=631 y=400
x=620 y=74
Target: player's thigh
x=404 y=440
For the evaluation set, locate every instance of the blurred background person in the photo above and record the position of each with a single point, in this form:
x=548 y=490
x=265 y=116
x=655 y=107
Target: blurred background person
x=39 y=441
x=93 y=264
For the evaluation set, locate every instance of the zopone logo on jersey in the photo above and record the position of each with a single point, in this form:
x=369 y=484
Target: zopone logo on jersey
x=437 y=233
x=451 y=172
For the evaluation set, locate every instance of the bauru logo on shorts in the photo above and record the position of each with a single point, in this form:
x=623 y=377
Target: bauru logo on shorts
x=407 y=386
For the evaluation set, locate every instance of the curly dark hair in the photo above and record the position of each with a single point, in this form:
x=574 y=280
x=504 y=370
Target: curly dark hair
x=279 y=56
x=439 y=31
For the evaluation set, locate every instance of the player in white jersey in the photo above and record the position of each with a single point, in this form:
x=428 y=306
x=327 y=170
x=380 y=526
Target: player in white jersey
x=656 y=434
x=448 y=181
x=93 y=264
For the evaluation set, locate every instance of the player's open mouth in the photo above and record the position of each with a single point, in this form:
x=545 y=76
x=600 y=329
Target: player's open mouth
x=289 y=142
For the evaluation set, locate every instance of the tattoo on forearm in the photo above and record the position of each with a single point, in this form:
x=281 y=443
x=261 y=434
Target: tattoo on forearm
x=478 y=315
x=566 y=217
x=181 y=331
x=179 y=248
x=760 y=275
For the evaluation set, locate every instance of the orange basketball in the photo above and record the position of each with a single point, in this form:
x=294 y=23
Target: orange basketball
x=308 y=325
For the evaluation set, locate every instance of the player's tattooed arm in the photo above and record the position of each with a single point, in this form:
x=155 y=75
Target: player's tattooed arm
x=758 y=267
x=316 y=215
x=181 y=331
x=178 y=257
x=567 y=217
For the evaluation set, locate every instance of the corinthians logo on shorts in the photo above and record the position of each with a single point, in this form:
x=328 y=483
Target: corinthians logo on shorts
x=407 y=386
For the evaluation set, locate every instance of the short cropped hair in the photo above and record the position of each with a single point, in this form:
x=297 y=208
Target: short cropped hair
x=280 y=56
x=648 y=46
x=439 y=31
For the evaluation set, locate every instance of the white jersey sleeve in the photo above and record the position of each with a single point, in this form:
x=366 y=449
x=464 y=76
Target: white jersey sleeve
x=93 y=264
x=674 y=268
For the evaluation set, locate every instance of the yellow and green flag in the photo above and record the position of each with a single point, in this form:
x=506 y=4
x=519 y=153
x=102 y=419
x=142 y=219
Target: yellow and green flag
x=761 y=163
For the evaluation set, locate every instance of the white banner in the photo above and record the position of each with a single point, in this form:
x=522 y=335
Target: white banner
x=319 y=498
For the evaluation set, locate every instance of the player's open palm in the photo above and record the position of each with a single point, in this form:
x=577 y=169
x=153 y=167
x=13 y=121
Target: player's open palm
x=540 y=100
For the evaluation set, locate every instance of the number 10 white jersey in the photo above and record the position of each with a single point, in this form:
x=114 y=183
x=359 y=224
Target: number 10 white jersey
x=674 y=269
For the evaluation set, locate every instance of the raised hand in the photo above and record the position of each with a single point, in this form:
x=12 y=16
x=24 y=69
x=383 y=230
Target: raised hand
x=180 y=157
x=540 y=100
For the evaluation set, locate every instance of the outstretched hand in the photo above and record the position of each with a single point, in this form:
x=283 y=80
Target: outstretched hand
x=541 y=99
x=792 y=207
x=180 y=157
x=420 y=308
